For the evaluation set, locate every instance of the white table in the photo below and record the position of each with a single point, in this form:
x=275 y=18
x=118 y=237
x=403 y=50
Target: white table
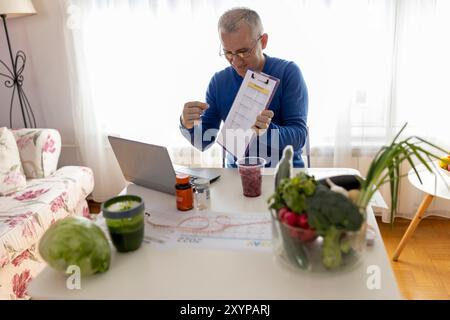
x=433 y=184
x=181 y=273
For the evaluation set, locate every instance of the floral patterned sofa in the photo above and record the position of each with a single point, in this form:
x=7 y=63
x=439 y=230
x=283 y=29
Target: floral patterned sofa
x=49 y=195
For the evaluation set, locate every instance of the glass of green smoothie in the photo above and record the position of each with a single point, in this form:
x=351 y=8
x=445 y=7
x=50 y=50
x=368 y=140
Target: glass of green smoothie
x=124 y=217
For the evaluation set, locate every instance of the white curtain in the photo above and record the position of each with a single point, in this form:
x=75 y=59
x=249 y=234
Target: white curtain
x=369 y=66
x=404 y=76
x=89 y=136
x=420 y=85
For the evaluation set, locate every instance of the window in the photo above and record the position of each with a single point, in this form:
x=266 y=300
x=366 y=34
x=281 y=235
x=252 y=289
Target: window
x=369 y=65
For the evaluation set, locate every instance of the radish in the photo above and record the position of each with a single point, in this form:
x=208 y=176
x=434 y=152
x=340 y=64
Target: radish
x=290 y=218
x=282 y=212
x=302 y=221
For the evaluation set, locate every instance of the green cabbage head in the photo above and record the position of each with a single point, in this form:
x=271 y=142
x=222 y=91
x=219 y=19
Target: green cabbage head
x=76 y=241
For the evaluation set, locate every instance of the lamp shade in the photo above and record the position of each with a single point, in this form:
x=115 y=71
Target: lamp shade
x=16 y=8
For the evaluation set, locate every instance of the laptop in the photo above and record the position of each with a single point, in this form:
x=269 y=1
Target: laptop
x=150 y=165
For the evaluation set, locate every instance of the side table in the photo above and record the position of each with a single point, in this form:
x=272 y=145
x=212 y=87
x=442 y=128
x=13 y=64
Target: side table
x=433 y=185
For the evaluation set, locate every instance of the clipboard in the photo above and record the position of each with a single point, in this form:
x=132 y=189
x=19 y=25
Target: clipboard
x=254 y=95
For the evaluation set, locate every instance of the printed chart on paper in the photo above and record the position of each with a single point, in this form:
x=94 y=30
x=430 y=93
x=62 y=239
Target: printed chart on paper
x=254 y=95
x=252 y=103
x=249 y=231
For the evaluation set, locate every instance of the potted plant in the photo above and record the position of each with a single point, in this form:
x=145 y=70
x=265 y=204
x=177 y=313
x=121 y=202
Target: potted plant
x=385 y=167
x=320 y=226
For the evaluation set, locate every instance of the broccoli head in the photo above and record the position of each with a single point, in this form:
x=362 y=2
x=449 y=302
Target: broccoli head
x=331 y=214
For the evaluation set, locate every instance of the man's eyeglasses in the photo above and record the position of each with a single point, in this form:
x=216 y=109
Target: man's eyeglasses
x=242 y=53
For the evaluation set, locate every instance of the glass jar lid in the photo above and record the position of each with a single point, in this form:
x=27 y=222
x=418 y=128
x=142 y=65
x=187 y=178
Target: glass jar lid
x=201 y=183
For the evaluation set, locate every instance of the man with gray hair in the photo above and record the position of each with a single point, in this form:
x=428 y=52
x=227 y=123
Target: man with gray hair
x=243 y=41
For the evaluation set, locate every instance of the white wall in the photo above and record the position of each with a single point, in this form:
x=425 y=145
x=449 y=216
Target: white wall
x=41 y=38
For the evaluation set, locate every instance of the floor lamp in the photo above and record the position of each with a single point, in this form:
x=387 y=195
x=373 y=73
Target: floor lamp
x=14 y=78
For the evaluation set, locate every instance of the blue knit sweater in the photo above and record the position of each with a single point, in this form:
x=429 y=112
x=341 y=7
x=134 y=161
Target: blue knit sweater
x=289 y=104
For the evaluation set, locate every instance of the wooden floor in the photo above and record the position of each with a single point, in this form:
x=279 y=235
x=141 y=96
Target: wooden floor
x=423 y=269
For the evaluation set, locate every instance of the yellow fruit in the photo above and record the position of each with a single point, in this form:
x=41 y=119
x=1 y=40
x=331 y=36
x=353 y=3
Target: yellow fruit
x=444 y=162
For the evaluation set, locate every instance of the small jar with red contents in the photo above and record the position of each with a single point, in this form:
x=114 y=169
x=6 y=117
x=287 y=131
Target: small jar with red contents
x=184 y=193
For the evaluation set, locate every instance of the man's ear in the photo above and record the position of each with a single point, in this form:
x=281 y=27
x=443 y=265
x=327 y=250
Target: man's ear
x=264 y=39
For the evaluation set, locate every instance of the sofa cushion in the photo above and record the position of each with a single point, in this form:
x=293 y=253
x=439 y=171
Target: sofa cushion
x=27 y=214
x=11 y=175
x=39 y=151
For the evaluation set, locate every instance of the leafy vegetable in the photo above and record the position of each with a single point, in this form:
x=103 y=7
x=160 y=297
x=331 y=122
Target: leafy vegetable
x=331 y=214
x=327 y=208
x=76 y=241
x=293 y=192
x=331 y=250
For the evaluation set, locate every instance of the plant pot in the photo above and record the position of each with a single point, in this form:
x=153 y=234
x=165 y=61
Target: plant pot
x=303 y=249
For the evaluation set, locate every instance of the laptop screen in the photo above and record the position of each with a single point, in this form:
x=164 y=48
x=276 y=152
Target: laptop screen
x=145 y=164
